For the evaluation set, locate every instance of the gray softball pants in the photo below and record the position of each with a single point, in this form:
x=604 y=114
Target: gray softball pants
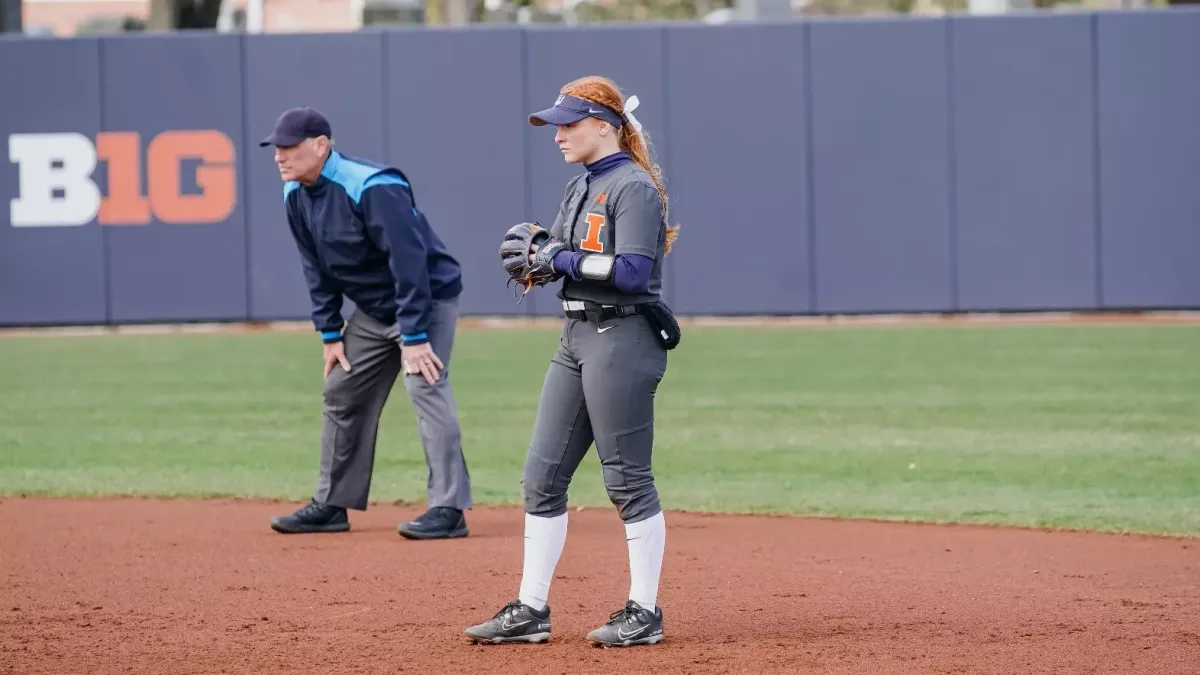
x=599 y=388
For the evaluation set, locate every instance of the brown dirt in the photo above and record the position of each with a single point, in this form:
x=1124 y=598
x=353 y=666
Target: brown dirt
x=147 y=586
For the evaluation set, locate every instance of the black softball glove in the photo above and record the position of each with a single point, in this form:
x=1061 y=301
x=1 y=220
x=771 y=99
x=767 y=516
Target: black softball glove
x=526 y=269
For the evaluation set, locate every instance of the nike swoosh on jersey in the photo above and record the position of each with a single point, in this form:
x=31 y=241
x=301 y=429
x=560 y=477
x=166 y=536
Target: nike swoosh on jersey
x=601 y=330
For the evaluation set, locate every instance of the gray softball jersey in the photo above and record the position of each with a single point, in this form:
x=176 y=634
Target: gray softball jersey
x=617 y=213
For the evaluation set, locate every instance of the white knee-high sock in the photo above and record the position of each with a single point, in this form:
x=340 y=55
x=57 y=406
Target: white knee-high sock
x=646 y=539
x=544 y=541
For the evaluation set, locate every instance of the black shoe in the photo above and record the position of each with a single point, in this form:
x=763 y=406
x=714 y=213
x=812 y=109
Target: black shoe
x=438 y=522
x=313 y=517
x=517 y=622
x=631 y=625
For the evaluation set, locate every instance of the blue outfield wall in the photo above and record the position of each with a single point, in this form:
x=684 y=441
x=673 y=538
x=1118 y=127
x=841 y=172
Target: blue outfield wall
x=831 y=166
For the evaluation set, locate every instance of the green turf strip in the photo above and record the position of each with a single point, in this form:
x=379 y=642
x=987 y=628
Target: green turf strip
x=1092 y=427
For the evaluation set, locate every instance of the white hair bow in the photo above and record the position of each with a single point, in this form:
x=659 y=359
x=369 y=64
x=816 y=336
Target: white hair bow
x=631 y=104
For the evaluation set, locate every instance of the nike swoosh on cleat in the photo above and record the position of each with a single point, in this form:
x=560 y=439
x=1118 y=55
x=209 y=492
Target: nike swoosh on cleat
x=625 y=636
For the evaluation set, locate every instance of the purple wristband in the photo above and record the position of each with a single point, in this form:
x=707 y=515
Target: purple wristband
x=563 y=262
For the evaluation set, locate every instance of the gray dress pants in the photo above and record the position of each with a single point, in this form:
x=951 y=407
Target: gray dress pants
x=354 y=402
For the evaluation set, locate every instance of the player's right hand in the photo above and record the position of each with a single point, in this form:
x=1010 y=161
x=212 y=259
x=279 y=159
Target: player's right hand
x=335 y=352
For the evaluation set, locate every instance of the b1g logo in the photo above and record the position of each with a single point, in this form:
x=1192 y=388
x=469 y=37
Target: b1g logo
x=56 y=188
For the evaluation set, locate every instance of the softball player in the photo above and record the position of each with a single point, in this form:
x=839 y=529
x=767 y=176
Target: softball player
x=607 y=244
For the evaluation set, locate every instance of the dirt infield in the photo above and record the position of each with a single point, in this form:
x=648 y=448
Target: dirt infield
x=145 y=586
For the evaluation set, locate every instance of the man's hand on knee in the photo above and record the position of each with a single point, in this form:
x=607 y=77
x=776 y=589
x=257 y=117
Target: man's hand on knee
x=335 y=352
x=421 y=360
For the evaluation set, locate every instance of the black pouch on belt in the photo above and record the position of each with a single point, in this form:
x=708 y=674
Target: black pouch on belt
x=662 y=320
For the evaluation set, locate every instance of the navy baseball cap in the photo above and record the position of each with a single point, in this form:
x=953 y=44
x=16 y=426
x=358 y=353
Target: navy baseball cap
x=296 y=125
x=571 y=109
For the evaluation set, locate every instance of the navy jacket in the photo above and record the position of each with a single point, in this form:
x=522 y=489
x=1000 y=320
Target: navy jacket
x=360 y=234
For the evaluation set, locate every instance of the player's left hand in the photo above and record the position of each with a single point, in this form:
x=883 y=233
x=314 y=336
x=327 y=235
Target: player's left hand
x=421 y=360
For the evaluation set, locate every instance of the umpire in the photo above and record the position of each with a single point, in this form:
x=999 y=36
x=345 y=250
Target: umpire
x=360 y=234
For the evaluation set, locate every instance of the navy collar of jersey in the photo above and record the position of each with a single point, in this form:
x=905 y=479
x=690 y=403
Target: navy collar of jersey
x=604 y=165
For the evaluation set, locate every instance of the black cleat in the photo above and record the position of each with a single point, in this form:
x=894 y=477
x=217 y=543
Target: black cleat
x=517 y=622
x=631 y=625
x=313 y=517
x=438 y=522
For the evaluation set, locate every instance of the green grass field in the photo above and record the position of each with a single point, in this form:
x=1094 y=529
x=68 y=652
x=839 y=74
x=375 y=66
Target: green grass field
x=1093 y=427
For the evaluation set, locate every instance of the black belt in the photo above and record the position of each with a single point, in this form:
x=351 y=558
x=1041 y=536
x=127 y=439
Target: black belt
x=590 y=311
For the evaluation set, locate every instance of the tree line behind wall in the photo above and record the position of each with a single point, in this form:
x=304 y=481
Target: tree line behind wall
x=168 y=15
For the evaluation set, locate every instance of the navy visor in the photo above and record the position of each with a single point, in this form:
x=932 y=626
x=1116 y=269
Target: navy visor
x=569 y=110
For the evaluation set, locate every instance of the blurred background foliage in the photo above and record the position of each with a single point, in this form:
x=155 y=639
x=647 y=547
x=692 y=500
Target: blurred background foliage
x=222 y=15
